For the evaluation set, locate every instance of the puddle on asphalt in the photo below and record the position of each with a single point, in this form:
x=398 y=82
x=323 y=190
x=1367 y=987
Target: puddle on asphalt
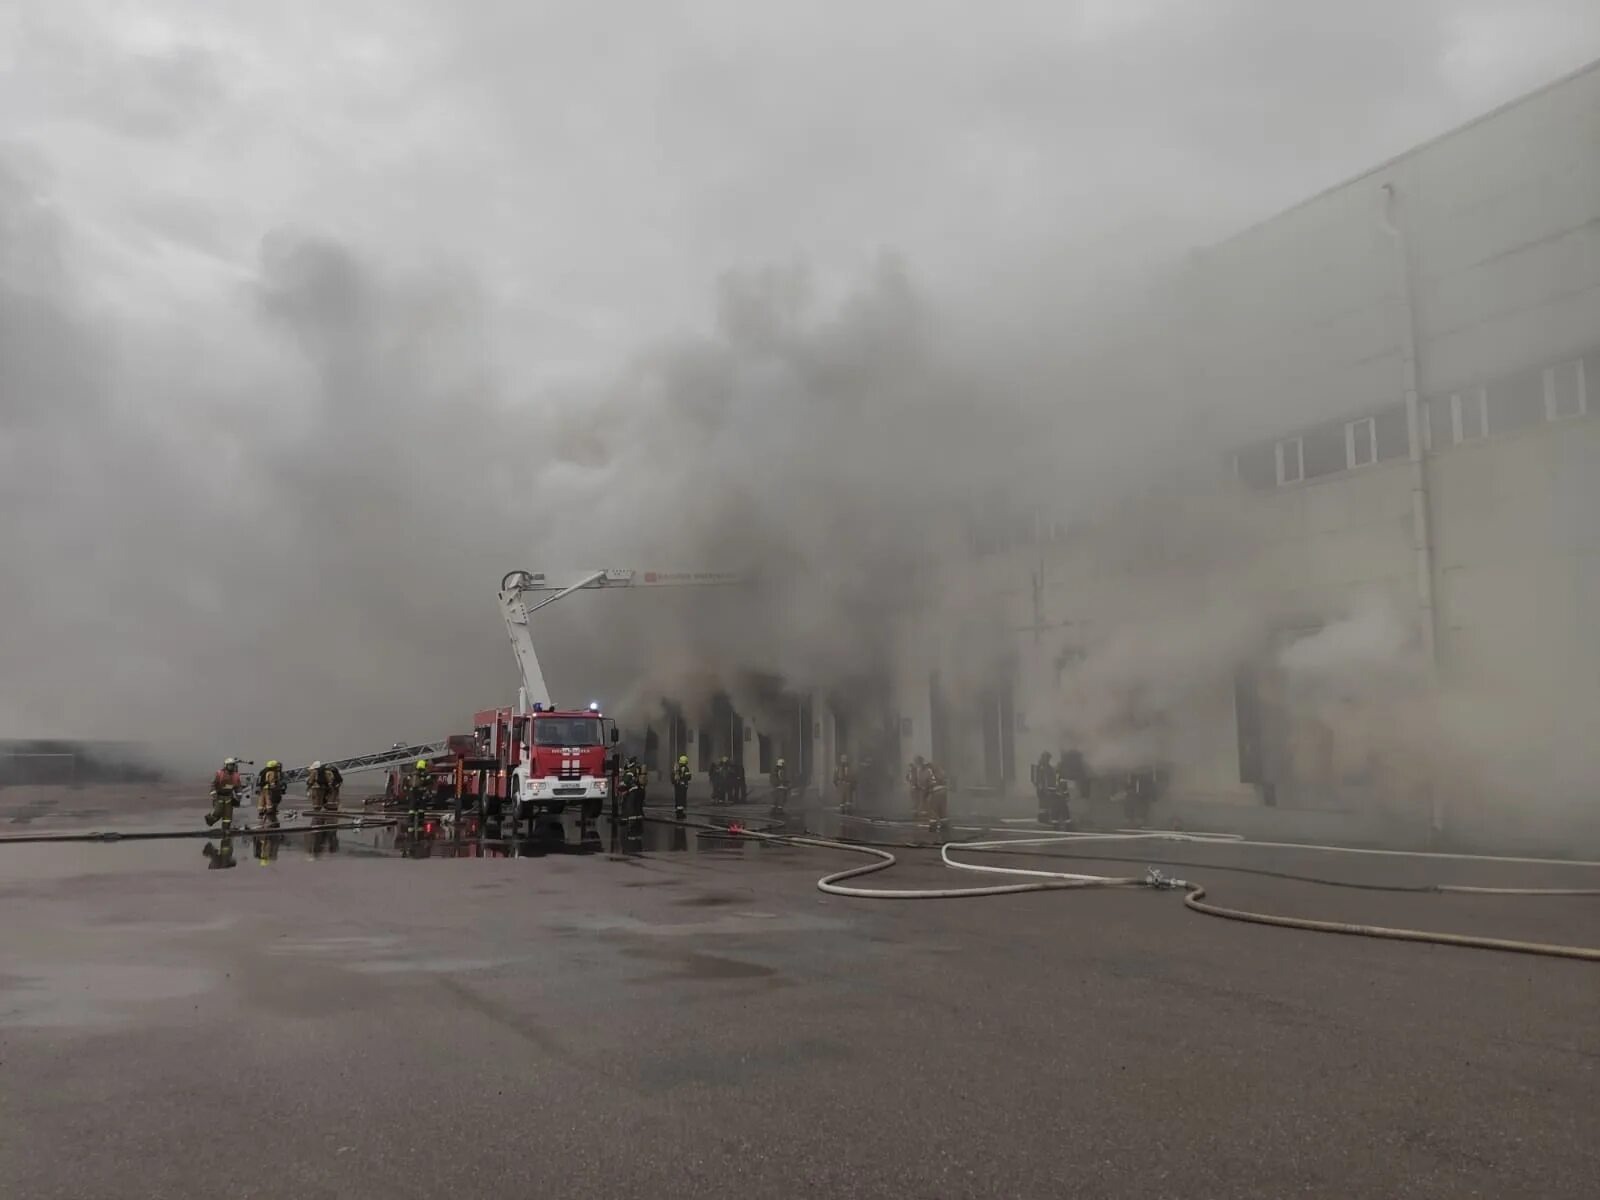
x=306 y=840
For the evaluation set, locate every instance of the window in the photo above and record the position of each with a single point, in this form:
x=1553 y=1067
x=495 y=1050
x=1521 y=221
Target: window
x=1291 y=461
x=1563 y=390
x=1322 y=451
x=1469 y=415
x=1393 y=432
x=559 y=731
x=1360 y=443
x=1516 y=402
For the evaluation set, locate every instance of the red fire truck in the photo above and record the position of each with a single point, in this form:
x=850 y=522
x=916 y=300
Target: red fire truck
x=548 y=759
x=535 y=757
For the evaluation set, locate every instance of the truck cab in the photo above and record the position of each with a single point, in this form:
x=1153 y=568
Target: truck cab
x=550 y=758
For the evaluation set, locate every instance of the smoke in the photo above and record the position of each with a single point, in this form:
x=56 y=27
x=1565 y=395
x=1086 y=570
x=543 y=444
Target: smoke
x=313 y=326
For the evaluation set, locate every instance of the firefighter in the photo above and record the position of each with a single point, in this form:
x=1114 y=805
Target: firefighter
x=269 y=789
x=680 y=787
x=335 y=785
x=225 y=785
x=719 y=782
x=740 y=788
x=935 y=796
x=1044 y=786
x=633 y=792
x=780 y=785
x=844 y=782
x=919 y=801
x=220 y=856
x=317 y=782
x=420 y=794
x=730 y=780
x=266 y=847
x=1069 y=776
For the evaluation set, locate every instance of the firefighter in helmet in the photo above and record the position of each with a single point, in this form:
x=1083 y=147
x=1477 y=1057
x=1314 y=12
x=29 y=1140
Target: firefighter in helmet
x=844 y=782
x=269 y=790
x=225 y=787
x=633 y=791
x=780 y=785
x=318 y=785
x=914 y=785
x=1044 y=786
x=681 y=775
x=935 y=797
x=420 y=794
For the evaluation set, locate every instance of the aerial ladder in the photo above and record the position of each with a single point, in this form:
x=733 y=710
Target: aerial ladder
x=396 y=755
x=523 y=593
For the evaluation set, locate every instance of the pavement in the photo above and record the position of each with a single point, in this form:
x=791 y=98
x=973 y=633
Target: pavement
x=698 y=1019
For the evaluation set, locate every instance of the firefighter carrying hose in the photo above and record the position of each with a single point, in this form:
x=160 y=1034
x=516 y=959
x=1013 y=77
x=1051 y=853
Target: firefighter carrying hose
x=269 y=790
x=225 y=786
x=681 y=775
x=780 y=786
x=844 y=782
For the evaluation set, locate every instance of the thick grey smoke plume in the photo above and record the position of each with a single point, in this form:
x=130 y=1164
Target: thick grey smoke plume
x=314 y=320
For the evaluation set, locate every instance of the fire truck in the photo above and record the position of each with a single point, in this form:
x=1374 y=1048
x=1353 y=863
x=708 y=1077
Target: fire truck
x=535 y=758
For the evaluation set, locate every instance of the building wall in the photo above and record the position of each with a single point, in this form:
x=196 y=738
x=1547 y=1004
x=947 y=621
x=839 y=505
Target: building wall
x=1465 y=273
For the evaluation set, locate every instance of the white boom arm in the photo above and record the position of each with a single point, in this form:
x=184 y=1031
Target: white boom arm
x=523 y=593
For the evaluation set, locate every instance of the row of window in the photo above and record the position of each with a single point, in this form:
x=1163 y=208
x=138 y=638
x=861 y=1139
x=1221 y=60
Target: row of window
x=1529 y=397
x=1554 y=393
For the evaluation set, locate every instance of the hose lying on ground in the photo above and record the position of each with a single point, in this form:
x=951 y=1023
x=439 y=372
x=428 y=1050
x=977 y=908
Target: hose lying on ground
x=1195 y=898
x=156 y=835
x=1195 y=893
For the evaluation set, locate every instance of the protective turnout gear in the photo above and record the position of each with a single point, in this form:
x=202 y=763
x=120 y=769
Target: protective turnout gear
x=914 y=785
x=681 y=775
x=738 y=786
x=632 y=791
x=270 y=788
x=844 y=782
x=1061 y=799
x=780 y=786
x=319 y=786
x=420 y=794
x=936 y=797
x=225 y=785
x=1044 y=786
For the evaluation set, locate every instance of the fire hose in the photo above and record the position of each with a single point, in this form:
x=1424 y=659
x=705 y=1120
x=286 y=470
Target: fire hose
x=1195 y=893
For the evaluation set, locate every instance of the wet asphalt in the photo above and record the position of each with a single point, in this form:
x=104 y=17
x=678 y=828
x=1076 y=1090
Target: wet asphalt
x=695 y=1018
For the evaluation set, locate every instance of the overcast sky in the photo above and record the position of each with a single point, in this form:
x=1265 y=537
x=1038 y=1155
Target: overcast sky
x=257 y=261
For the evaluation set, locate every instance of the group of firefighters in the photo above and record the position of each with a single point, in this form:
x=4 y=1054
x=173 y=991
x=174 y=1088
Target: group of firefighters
x=323 y=785
x=1055 y=784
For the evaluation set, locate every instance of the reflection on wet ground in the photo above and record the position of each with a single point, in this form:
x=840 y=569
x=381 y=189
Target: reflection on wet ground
x=308 y=838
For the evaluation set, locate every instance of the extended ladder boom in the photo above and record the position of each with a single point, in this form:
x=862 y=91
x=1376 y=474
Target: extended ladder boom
x=523 y=593
x=374 y=762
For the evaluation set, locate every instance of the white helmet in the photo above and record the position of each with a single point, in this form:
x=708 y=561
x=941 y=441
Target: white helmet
x=316 y=764
x=230 y=762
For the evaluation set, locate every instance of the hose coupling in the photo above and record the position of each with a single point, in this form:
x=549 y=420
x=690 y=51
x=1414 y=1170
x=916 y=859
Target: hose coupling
x=1165 y=883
